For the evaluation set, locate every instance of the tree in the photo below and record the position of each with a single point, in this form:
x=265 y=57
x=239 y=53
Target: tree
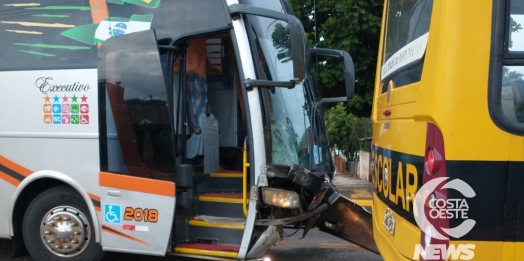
x=345 y=129
x=510 y=75
x=513 y=28
x=282 y=41
x=352 y=26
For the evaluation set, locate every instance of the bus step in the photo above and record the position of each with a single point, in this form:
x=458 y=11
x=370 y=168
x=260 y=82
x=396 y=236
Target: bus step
x=224 y=230
x=215 y=250
x=227 y=204
x=225 y=181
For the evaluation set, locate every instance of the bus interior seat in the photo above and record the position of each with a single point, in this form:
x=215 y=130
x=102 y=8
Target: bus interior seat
x=204 y=139
x=512 y=99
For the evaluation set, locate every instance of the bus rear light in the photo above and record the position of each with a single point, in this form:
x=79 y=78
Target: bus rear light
x=434 y=167
x=430 y=161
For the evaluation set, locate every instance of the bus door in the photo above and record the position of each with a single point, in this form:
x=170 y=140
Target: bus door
x=137 y=191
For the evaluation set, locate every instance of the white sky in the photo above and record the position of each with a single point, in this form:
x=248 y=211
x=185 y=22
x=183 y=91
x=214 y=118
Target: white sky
x=518 y=41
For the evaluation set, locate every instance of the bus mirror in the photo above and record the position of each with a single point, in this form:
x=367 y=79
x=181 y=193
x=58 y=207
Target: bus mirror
x=319 y=54
x=298 y=49
x=292 y=38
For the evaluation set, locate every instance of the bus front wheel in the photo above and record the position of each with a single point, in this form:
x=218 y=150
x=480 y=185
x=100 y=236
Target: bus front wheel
x=57 y=227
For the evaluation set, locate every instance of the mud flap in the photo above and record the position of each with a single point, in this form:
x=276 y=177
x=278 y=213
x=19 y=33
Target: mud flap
x=349 y=221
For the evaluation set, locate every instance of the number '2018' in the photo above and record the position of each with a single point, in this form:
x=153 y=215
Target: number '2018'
x=138 y=214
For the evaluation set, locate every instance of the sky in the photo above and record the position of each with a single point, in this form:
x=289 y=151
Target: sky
x=518 y=41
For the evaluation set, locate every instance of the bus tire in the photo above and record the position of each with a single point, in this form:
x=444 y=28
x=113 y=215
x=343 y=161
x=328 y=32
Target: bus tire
x=57 y=226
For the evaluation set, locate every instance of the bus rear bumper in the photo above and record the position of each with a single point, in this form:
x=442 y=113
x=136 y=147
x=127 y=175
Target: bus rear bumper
x=386 y=249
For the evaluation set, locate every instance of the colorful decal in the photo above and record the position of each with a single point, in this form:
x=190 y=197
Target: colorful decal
x=115 y=232
x=138 y=214
x=112 y=214
x=144 y=3
x=109 y=27
x=135 y=228
x=11 y=172
x=66 y=108
x=38 y=21
x=96 y=201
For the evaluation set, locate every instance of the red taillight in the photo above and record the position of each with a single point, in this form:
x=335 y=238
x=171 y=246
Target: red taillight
x=434 y=167
x=430 y=160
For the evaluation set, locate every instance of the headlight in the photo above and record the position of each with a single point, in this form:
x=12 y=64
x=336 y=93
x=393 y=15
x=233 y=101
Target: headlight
x=280 y=198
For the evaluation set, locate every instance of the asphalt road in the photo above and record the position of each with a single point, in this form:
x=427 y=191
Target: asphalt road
x=316 y=246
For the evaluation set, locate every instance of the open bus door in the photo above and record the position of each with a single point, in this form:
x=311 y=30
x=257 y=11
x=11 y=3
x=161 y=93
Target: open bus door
x=137 y=194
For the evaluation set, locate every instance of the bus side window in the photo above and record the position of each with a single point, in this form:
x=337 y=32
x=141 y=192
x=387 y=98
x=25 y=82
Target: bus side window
x=512 y=96
x=137 y=120
x=512 y=91
x=512 y=69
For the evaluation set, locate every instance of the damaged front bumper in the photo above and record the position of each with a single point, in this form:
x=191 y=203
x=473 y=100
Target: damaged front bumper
x=318 y=184
x=327 y=209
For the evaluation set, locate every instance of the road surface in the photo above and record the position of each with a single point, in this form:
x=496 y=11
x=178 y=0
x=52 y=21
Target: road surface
x=316 y=246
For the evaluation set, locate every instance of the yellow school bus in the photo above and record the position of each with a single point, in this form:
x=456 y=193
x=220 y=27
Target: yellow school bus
x=448 y=127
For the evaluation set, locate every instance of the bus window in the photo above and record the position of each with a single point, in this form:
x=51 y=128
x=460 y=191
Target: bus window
x=516 y=31
x=512 y=91
x=137 y=115
x=406 y=30
x=512 y=96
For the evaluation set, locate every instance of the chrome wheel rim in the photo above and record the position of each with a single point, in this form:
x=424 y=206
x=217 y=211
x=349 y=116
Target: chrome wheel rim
x=65 y=231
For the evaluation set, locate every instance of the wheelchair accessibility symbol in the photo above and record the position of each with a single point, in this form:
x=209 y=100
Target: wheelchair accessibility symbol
x=112 y=214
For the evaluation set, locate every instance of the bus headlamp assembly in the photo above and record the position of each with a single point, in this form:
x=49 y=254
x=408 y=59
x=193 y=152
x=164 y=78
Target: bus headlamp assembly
x=313 y=181
x=280 y=198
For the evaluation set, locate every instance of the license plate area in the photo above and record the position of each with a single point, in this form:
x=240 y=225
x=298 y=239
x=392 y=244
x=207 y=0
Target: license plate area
x=389 y=222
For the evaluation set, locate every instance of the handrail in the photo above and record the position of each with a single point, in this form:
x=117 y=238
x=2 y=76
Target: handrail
x=245 y=165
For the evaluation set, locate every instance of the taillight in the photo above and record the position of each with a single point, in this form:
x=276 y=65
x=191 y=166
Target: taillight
x=430 y=160
x=434 y=167
x=433 y=159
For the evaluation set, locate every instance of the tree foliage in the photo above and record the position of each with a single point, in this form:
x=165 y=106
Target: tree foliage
x=510 y=75
x=514 y=27
x=345 y=131
x=282 y=41
x=352 y=26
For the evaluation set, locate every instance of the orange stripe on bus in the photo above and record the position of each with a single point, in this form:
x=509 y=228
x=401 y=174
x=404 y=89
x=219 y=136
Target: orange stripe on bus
x=120 y=234
x=100 y=11
x=9 y=179
x=94 y=197
x=150 y=186
x=15 y=167
x=97 y=209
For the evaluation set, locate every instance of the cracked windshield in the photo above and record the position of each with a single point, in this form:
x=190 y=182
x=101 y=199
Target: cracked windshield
x=291 y=132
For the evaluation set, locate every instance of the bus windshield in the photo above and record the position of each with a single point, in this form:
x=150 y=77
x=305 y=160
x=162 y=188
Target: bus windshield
x=291 y=115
